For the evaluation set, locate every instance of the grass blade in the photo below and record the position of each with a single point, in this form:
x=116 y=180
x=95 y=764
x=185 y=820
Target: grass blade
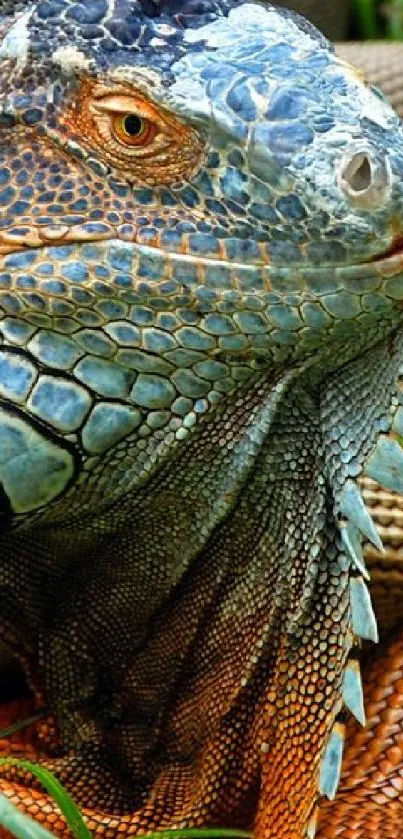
x=25 y=828
x=63 y=800
x=19 y=824
x=23 y=723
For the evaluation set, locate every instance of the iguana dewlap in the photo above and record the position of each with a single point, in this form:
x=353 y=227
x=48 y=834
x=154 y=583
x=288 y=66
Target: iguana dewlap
x=201 y=285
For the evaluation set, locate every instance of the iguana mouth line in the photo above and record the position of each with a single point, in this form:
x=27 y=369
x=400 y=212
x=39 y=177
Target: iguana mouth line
x=395 y=250
x=35 y=236
x=388 y=263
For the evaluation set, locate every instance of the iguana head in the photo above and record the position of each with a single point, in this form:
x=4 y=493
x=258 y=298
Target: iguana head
x=219 y=130
x=187 y=190
x=243 y=112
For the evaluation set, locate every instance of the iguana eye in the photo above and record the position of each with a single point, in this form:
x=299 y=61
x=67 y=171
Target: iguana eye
x=128 y=125
x=137 y=137
x=132 y=129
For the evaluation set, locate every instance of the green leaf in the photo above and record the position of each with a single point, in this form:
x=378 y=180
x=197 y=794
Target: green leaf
x=19 y=824
x=63 y=800
x=24 y=827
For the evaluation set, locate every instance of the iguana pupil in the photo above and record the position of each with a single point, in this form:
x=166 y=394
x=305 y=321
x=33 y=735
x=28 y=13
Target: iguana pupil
x=133 y=125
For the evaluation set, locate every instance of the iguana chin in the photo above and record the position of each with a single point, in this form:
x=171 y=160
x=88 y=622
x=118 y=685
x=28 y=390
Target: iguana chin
x=201 y=284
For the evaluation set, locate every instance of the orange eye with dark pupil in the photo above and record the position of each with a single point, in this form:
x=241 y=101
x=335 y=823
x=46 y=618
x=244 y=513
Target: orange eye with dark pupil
x=133 y=130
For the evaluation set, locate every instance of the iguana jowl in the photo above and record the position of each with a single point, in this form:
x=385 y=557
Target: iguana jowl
x=201 y=284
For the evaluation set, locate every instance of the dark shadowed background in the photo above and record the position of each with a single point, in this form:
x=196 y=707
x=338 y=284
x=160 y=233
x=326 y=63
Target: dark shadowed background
x=353 y=19
x=331 y=16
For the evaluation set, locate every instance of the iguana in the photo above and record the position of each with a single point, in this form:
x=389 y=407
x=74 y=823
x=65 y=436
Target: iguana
x=202 y=332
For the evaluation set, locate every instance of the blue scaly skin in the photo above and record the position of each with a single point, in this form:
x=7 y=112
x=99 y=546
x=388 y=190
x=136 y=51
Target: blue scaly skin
x=201 y=279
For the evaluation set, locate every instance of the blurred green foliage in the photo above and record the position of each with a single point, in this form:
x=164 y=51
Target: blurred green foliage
x=379 y=19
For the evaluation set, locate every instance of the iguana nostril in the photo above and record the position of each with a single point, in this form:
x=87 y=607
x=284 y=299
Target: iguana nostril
x=364 y=178
x=358 y=175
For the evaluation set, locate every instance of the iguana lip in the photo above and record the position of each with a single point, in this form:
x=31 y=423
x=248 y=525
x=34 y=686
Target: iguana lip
x=395 y=250
x=390 y=262
x=387 y=263
x=60 y=234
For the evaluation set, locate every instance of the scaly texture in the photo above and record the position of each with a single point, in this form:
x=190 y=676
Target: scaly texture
x=369 y=799
x=201 y=284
